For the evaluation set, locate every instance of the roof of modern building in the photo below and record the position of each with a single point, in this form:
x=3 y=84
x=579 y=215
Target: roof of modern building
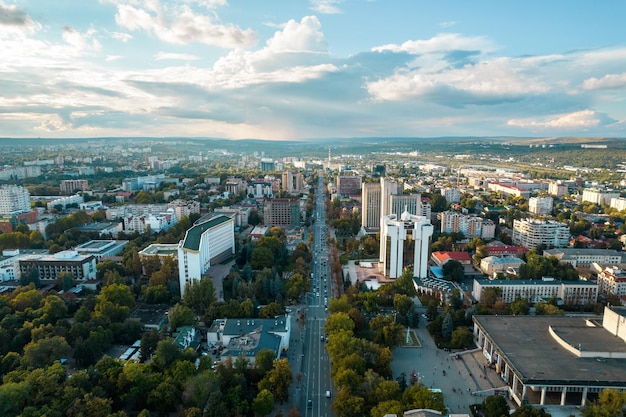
x=496 y=260
x=511 y=282
x=539 y=358
x=460 y=256
x=250 y=344
x=96 y=227
x=582 y=252
x=193 y=235
x=161 y=249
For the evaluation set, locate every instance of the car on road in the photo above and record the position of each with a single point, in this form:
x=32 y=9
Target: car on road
x=327 y=394
x=309 y=404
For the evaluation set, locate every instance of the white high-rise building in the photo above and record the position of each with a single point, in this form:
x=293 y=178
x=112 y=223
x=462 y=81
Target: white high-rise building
x=452 y=195
x=403 y=241
x=204 y=244
x=14 y=199
x=531 y=233
x=388 y=188
x=406 y=202
x=540 y=205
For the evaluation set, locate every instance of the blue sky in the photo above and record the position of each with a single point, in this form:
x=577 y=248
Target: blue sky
x=302 y=69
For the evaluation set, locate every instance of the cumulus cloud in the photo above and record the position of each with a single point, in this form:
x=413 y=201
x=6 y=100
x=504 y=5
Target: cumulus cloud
x=174 y=56
x=326 y=6
x=110 y=58
x=580 y=120
x=297 y=45
x=182 y=25
x=447 y=24
x=81 y=41
x=608 y=82
x=503 y=77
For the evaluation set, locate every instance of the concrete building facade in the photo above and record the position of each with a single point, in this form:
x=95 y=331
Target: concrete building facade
x=404 y=241
x=531 y=233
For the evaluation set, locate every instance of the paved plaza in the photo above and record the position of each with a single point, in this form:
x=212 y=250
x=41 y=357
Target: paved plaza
x=463 y=381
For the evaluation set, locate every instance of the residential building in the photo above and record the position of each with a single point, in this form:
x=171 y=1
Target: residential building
x=596 y=196
x=509 y=189
x=184 y=208
x=69 y=187
x=470 y=226
x=388 y=187
x=82 y=267
x=403 y=242
x=150 y=222
x=558 y=189
x=292 y=182
x=14 y=199
x=585 y=257
x=532 y=233
x=452 y=195
x=412 y=203
x=488 y=229
x=267 y=165
x=9 y=222
x=63 y=202
x=612 y=281
x=240 y=214
x=348 y=184
x=540 y=205
x=260 y=189
x=618 y=203
x=566 y=292
x=205 y=244
x=371 y=204
x=281 y=212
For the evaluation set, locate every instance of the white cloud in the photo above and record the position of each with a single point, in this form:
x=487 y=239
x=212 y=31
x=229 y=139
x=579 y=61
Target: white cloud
x=499 y=78
x=81 y=41
x=182 y=26
x=608 y=82
x=583 y=119
x=111 y=58
x=121 y=36
x=173 y=56
x=326 y=6
x=447 y=24
x=441 y=43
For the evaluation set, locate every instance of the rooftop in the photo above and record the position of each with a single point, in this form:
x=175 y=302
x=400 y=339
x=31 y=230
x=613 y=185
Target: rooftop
x=193 y=235
x=526 y=343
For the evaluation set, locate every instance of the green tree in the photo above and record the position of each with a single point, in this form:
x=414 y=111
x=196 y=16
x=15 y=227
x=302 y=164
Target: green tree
x=13 y=397
x=453 y=270
x=447 y=326
x=45 y=351
x=528 y=411
x=277 y=380
x=402 y=303
x=181 y=315
x=263 y=403
x=418 y=396
x=338 y=321
x=387 y=407
x=348 y=405
x=495 y=406
x=262 y=257
x=610 y=403
x=461 y=338
x=166 y=354
x=199 y=295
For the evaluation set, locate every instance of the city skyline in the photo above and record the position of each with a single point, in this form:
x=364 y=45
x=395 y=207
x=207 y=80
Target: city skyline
x=311 y=69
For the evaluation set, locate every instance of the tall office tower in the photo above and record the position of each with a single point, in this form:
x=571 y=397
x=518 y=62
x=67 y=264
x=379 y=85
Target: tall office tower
x=370 y=200
x=388 y=187
x=14 y=199
x=403 y=242
x=406 y=202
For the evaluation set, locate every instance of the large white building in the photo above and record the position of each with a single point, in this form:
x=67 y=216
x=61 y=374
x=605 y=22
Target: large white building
x=618 y=203
x=470 y=226
x=491 y=265
x=14 y=199
x=593 y=195
x=540 y=205
x=531 y=233
x=205 y=244
x=151 y=222
x=452 y=195
x=82 y=267
x=585 y=257
x=568 y=292
x=403 y=241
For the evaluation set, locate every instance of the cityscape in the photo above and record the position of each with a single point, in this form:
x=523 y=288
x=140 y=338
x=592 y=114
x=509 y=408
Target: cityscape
x=312 y=208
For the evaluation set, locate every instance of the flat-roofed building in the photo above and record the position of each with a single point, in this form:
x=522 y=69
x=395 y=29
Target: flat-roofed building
x=540 y=205
x=101 y=248
x=612 y=280
x=348 y=184
x=532 y=233
x=371 y=204
x=556 y=361
x=72 y=186
x=567 y=292
x=491 y=265
x=82 y=267
x=205 y=244
x=585 y=257
x=405 y=241
x=161 y=251
x=14 y=199
x=103 y=228
x=281 y=212
x=593 y=195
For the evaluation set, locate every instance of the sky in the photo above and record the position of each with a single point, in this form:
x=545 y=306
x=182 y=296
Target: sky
x=306 y=69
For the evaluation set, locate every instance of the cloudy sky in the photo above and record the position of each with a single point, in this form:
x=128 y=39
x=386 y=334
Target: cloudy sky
x=301 y=69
